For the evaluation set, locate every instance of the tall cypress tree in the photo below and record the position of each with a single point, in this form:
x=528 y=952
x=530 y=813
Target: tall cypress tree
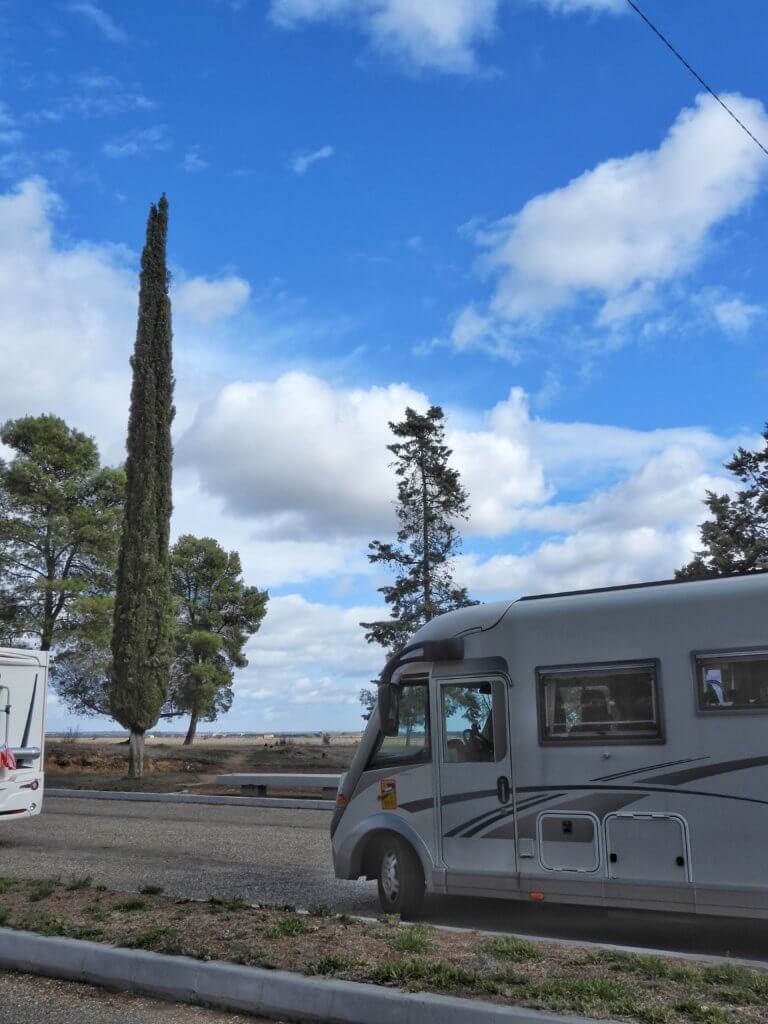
x=142 y=636
x=431 y=499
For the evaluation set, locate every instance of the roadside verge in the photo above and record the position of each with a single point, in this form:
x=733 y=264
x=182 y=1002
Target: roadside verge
x=274 y=994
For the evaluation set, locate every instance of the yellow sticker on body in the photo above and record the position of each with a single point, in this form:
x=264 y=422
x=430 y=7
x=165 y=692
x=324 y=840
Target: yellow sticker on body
x=388 y=788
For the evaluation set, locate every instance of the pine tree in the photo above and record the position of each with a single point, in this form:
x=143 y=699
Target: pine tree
x=60 y=514
x=430 y=500
x=736 y=538
x=141 y=640
x=216 y=614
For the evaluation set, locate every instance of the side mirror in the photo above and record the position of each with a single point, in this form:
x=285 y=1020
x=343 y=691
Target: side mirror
x=389 y=708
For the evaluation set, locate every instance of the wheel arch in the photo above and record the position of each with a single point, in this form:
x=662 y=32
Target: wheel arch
x=367 y=845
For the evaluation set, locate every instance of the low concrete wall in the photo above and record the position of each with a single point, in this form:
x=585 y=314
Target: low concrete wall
x=310 y=804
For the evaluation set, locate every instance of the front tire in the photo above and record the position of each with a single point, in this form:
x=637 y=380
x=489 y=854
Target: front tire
x=400 y=878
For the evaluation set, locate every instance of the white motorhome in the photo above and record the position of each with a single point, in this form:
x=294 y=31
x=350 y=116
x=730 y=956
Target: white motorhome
x=23 y=683
x=605 y=747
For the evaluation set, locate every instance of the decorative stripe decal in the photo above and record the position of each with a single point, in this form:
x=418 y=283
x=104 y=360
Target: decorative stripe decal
x=28 y=726
x=709 y=770
x=648 y=768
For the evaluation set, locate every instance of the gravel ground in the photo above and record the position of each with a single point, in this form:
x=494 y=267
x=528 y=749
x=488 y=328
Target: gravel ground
x=25 y=999
x=267 y=855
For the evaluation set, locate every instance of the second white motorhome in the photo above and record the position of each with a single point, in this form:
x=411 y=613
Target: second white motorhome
x=605 y=747
x=23 y=684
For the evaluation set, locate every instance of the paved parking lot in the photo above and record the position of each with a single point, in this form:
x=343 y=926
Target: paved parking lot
x=283 y=856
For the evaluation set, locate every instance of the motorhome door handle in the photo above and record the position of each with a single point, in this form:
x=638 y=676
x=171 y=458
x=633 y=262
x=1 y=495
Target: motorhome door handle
x=502 y=789
x=681 y=862
x=613 y=858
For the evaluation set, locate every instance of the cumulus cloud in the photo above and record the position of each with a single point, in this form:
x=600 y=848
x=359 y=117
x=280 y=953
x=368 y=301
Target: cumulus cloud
x=301 y=163
x=442 y=35
x=619 y=231
x=308 y=663
x=734 y=315
x=323 y=467
x=439 y=34
x=206 y=300
x=639 y=529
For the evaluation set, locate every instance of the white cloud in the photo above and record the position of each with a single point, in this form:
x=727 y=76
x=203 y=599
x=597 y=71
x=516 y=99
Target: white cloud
x=193 y=162
x=308 y=653
x=104 y=22
x=734 y=315
x=205 y=300
x=588 y=6
x=321 y=467
x=141 y=142
x=438 y=34
x=640 y=529
x=301 y=163
x=67 y=317
x=618 y=232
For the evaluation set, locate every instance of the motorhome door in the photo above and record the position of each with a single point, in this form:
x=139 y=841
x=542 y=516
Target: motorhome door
x=475 y=779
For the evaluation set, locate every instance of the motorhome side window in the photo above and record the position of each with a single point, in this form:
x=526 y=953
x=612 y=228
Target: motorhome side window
x=411 y=745
x=467 y=723
x=732 y=682
x=594 y=704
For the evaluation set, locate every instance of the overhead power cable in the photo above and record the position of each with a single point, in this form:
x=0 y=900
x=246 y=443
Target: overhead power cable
x=696 y=75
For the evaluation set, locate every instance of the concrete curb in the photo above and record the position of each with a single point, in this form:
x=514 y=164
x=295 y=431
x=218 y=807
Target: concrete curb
x=310 y=804
x=275 y=994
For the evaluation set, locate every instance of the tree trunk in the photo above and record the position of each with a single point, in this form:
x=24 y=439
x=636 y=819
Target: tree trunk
x=191 y=731
x=425 y=567
x=136 y=754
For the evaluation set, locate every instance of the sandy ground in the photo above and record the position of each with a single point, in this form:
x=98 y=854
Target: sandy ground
x=101 y=763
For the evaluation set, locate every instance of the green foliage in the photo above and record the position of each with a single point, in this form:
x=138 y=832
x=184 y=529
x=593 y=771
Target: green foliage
x=78 y=884
x=414 y=939
x=142 y=638
x=735 y=539
x=226 y=904
x=216 y=614
x=43 y=889
x=60 y=514
x=130 y=905
x=430 y=500
x=288 y=927
x=159 y=940
x=332 y=963
x=512 y=950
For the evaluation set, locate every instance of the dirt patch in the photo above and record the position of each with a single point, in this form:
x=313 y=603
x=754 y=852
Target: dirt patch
x=504 y=969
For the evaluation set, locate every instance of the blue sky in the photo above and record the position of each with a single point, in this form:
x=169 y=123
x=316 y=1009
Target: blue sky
x=523 y=210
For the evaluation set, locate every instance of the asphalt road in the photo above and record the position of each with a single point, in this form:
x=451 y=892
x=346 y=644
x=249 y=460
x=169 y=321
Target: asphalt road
x=26 y=999
x=283 y=857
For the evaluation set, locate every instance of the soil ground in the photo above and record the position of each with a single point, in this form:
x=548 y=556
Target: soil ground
x=601 y=984
x=101 y=763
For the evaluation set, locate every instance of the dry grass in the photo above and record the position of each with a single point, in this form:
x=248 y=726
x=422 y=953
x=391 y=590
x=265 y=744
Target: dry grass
x=503 y=969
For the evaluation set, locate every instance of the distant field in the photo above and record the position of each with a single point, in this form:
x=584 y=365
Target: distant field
x=101 y=762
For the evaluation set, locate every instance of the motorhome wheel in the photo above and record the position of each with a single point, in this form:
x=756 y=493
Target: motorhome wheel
x=401 y=879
